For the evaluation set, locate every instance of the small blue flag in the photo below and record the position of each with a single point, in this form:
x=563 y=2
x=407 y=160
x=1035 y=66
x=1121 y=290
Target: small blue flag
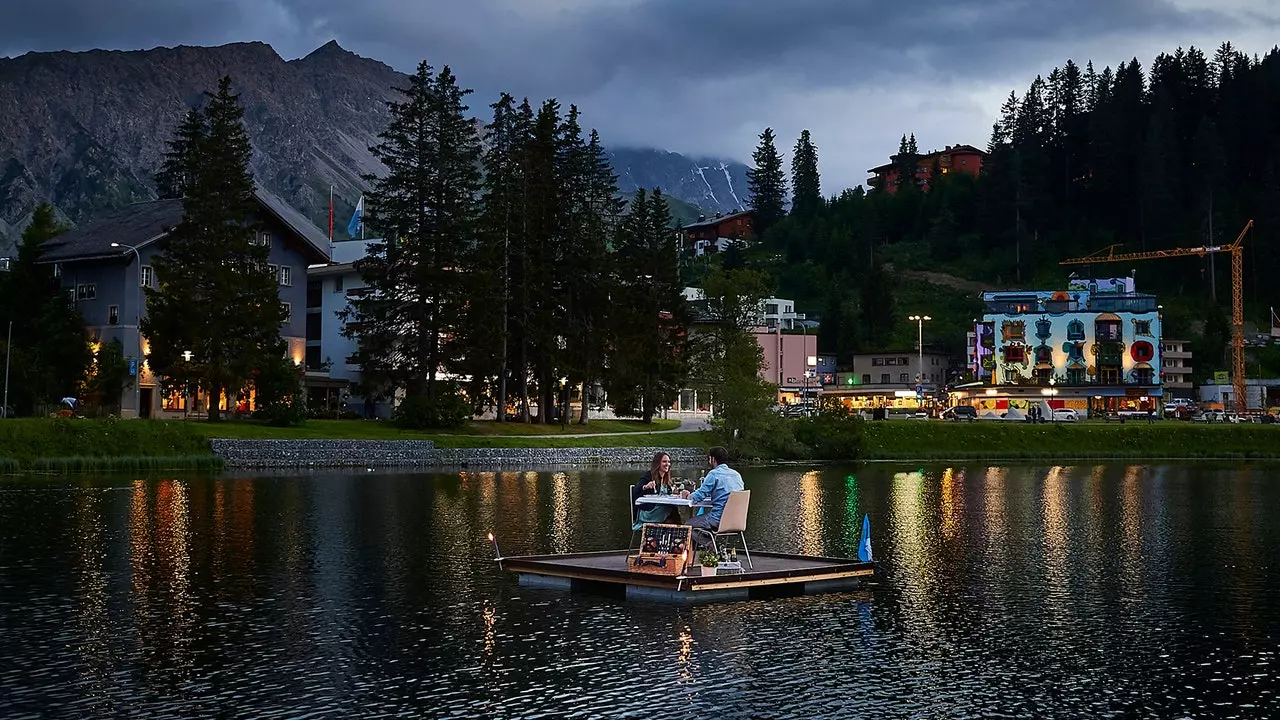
x=864 y=545
x=357 y=218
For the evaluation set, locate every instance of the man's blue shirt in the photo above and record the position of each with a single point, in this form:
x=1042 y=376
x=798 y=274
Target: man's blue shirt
x=716 y=487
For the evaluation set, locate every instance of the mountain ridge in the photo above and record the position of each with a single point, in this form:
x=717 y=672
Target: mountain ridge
x=91 y=126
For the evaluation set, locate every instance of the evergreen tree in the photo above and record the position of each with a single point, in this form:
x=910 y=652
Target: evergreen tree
x=806 y=185
x=215 y=297
x=767 y=184
x=876 y=307
x=49 y=354
x=648 y=364
x=410 y=323
x=181 y=159
x=489 y=269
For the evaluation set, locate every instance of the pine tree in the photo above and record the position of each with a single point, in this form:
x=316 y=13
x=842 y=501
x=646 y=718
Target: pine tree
x=767 y=184
x=215 y=297
x=490 y=269
x=409 y=322
x=48 y=356
x=180 y=163
x=805 y=183
x=648 y=360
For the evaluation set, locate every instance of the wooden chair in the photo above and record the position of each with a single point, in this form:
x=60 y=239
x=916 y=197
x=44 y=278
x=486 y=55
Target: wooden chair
x=733 y=521
x=635 y=522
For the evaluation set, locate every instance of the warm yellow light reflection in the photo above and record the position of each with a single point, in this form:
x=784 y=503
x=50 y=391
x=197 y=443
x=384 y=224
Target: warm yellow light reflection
x=810 y=519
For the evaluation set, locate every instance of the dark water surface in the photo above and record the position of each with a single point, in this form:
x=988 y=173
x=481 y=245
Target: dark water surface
x=1109 y=591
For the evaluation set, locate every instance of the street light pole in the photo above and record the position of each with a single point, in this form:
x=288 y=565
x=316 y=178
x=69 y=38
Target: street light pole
x=137 y=378
x=920 y=353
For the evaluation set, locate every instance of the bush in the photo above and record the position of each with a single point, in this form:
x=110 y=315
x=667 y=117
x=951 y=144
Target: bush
x=830 y=436
x=447 y=410
x=282 y=397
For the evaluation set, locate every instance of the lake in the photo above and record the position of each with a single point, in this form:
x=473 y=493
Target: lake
x=1046 y=591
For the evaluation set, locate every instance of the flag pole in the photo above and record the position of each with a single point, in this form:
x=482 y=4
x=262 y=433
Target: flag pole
x=331 y=217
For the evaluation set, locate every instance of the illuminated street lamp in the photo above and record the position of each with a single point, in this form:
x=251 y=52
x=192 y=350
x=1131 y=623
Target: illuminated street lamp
x=920 y=354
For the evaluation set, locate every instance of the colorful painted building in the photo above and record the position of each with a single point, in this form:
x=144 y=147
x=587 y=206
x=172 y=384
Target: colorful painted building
x=1094 y=346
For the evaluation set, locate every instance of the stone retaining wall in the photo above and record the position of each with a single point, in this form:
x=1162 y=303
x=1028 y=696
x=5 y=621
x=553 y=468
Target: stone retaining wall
x=424 y=453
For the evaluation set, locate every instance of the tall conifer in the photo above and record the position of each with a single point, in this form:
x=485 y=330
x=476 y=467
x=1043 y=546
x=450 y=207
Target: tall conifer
x=215 y=296
x=767 y=184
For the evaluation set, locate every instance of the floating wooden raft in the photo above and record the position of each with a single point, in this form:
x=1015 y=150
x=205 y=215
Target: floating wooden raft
x=774 y=574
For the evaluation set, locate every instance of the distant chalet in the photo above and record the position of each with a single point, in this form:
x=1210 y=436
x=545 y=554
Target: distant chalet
x=955 y=158
x=714 y=234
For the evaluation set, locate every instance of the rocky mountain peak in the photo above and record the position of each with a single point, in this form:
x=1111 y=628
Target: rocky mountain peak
x=86 y=130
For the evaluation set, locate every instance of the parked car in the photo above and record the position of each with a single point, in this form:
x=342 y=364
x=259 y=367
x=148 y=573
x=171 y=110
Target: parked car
x=1065 y=415
x=960 y=412
x=1210 y=416
x=1178 y=407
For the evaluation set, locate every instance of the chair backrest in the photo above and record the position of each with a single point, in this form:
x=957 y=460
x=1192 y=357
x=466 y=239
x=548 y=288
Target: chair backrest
x=734 y=516
x=631 y=502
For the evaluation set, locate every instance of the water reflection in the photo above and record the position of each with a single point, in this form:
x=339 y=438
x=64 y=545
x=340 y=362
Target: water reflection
x=1139 y=590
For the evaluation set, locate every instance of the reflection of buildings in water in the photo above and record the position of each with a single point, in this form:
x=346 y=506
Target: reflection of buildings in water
x=810 y=516
x=1057 y=538
x=160 y=560
x=788 y=497
x=910 y=526
x=92 y=613
x=851 y=533
x=566 y=503
x=1131 y=527
x=995 y=521
x=952 y=503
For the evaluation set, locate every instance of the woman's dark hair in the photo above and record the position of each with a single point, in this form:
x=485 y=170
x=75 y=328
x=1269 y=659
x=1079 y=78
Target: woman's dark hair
x=655 y=469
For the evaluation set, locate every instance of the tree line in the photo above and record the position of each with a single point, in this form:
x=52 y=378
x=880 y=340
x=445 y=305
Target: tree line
x=508 y=272
x=1176 y=155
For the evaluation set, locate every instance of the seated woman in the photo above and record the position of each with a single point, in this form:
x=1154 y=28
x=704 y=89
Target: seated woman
x=656 y=481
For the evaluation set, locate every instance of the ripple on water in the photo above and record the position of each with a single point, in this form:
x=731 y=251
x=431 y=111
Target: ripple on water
x=1069 y=592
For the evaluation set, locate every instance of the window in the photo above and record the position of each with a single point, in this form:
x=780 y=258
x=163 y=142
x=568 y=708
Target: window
x=884 y=378
x=877 y=362
x=86 y=291
x=866 y=379
x=313 y=326
x=148 y=277
x=313 y=358
x=902 y=361
x=337 y=284
x=57 y=270
x=113 y=314
x=902 y=377
x=264 y=239
x=1141 y=327
x=288 y=312
x=286 y=275
x=273 y=270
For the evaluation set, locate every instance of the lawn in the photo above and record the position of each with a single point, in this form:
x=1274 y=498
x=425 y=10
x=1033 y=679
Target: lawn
x=377 y=430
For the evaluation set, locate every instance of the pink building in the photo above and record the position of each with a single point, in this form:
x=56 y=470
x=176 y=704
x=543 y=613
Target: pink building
x=790 y=362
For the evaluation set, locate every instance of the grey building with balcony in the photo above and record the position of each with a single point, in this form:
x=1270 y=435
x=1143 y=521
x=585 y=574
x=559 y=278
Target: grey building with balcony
x=106 y=264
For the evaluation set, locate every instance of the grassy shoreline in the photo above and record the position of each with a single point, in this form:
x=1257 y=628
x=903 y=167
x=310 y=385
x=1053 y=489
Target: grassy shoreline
x=78 y=446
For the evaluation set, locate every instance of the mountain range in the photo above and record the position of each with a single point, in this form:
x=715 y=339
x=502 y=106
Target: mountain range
x=85 y=131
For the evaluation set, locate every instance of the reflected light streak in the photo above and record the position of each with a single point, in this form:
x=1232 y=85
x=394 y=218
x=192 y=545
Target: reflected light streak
x=952 y=503
x=852 y=516
x=684 y=669
x=908 y=525
x=560 y=527
x=1131 y=527
x=1056 y=538
x=810 y=520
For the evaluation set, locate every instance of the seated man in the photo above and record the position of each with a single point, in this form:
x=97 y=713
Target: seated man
x=715 y=489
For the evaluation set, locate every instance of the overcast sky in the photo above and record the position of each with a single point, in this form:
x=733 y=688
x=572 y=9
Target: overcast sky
x=698 y=76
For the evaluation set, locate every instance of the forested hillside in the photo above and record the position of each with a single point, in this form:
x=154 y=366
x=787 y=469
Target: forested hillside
x=1180 y=153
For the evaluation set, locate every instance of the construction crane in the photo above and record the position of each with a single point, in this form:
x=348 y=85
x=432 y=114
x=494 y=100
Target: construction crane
x=1109 y=254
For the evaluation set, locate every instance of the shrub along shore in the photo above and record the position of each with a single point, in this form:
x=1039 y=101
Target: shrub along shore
x=76 y=446
x=989 y=440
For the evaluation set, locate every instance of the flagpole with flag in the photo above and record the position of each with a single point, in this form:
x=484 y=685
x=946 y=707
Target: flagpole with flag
x=357 y=219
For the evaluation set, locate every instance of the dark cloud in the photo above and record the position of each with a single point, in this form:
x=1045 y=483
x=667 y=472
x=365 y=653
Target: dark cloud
x=693 y=75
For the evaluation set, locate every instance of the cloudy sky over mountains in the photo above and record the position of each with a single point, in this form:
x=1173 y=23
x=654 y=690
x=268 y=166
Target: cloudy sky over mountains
x=698 y=76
